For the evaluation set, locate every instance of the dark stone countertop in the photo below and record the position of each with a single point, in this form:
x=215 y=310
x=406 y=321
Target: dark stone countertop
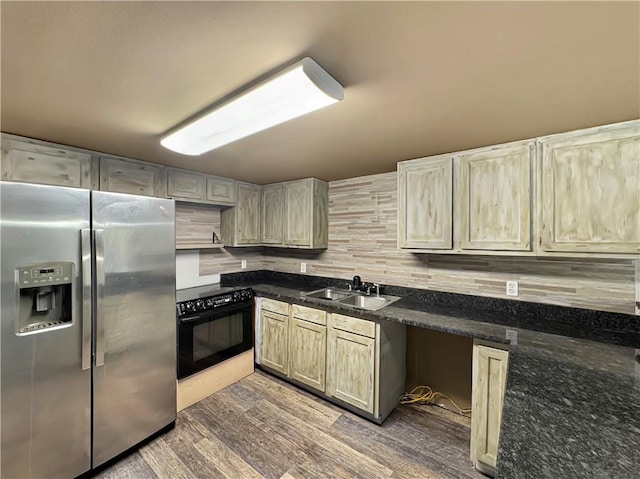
x=571 y=407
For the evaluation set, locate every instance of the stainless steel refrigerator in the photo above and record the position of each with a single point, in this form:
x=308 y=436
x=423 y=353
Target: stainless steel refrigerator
x=87 y=326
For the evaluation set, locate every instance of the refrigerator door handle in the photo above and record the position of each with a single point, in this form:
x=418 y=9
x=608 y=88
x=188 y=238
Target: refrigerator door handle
x=85 y=245
x=100 y=285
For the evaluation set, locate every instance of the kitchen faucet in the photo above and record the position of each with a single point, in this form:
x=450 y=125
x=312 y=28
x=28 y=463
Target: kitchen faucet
x=358 y=285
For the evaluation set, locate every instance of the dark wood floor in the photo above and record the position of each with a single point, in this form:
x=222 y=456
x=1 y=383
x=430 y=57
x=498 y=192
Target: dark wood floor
x=264 y=427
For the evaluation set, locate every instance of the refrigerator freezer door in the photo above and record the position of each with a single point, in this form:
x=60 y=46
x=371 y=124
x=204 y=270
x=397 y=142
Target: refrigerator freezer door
x=46 y=395
x=134 y=377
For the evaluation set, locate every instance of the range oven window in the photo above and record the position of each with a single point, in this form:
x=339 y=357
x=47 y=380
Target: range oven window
x=208 y=338
x=213 y=337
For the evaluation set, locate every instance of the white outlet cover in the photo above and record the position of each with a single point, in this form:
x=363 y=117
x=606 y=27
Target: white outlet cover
x=512 y=336
x=303 y=267
x=243 y=264
x=512 y=288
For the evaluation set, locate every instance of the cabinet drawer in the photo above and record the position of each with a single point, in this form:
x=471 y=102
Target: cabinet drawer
x=353 y=325
x=309 y=314
x=274 y=306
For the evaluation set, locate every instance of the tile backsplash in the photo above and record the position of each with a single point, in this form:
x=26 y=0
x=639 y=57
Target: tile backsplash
x=362 y=240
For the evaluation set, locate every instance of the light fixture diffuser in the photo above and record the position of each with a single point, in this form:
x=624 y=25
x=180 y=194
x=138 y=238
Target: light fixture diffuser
x=299 y=89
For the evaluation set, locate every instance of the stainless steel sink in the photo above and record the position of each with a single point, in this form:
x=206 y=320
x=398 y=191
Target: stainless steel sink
x=330 y=294
x=372 y=303
x=352 y=298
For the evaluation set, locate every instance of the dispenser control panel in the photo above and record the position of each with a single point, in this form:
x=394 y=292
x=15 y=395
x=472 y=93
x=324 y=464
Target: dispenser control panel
x=45 y=274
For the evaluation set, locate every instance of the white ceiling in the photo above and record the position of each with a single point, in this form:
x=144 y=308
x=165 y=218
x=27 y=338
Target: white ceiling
x=420 y=78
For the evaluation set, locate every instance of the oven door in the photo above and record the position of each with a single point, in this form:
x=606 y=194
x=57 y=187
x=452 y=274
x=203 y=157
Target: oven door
x=212 y=337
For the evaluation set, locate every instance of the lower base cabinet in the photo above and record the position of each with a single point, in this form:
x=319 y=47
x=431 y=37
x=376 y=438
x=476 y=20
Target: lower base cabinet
x=352 y=364
x=356 y=363
x=489 y=382
x=274 y=335
x=308 y=346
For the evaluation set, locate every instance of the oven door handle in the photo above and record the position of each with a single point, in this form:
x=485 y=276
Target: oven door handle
x=189 y=319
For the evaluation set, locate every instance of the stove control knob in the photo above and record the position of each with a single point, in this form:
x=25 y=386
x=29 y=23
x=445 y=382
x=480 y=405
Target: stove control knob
x=200 y=305
x=189 y=306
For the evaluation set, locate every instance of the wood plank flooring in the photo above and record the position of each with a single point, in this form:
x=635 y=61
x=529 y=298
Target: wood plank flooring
x=262 y=427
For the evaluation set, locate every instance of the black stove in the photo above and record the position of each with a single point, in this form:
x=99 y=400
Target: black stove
x=214 y=324
x=206 y=298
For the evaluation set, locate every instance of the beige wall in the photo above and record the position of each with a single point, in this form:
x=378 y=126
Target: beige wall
x=362 y=240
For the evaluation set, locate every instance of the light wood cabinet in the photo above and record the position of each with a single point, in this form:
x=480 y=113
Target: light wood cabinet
x=467 y=202
x=425 y=203
x=308 y=346
x=28 y=162
x=295 y=214
x=589 y=191
x=272 y=215
x=366 y=364
x=306 y=223
x=274 y=335
x=221 y=191
x=352 y=369
x=493 y=198
x=240 y=225
x=489 y=382
x=134 y=177
x=185 y=185
x=356 y=363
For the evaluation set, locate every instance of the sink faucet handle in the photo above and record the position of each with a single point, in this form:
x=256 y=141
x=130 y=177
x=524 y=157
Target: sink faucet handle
x=349 y=286
x=377 y=286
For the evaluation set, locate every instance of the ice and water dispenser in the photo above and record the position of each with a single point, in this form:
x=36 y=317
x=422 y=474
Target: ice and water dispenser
x=45 y=301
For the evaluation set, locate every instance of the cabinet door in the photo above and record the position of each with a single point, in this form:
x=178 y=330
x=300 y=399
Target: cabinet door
x=185 y=185
x=494 y=207
x=274 y=342
x=248 y=213
x=221 y=191
x=351 y=370
x=424 y=204
x=31 y=163
x=590 y=191
x=134 y=177
x=298 y=213
x=307 y=353
x=272 y=214
x=489 y=380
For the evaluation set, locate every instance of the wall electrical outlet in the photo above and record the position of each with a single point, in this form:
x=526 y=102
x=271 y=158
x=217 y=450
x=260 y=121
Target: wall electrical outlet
x=303 y=267
x=512 y=288
x=512 y=336
x=243 y=264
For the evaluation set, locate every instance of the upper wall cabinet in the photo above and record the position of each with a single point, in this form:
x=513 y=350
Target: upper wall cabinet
x=240 y=226
x=306 y=213
x=272 y=217
x=29 y=162
x=295 y=214
x=185 y=185
x=469 y=202
x=492 y=198
x=425 y=203
x=589 y=190
x=221 y=191
x=134 y=177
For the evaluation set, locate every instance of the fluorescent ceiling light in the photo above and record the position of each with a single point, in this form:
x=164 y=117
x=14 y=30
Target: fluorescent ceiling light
x=296 y=91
